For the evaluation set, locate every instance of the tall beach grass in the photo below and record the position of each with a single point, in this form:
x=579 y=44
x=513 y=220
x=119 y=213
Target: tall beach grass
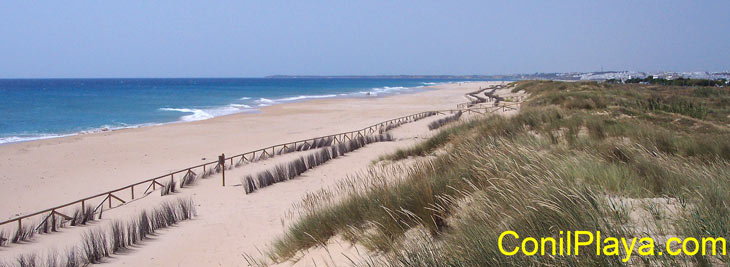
x=573 y=158
x=297 y=166
x=443 y=121
x=102 y=242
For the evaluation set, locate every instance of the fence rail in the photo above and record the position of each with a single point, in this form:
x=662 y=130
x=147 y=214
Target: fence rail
x=112 y=196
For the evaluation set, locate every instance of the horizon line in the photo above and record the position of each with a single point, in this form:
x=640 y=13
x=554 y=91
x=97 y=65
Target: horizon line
x=289 y=76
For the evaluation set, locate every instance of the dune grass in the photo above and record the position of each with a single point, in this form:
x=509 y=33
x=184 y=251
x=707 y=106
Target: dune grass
x=169 y=188
x=25 y=233
x=82 y=216
x=443 y=121
x=207 y=173
x=189 y=179
x=51 y=224
x=430 y=145
x=3 y=238
x=102 y=242
x=294 y=168
x=391 y=126
x=571 y=159
x=425 y=115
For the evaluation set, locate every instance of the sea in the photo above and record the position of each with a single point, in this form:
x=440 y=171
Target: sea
x=32 y=109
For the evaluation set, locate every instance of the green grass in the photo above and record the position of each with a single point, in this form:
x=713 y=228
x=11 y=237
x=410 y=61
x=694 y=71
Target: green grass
x=567 y=161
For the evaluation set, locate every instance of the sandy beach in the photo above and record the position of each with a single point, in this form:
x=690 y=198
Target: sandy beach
x=368 y=133
x=40 y=174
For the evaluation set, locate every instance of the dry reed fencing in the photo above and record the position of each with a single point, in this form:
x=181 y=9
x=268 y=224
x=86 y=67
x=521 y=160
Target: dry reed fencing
x=475 y=99
x=55 y=217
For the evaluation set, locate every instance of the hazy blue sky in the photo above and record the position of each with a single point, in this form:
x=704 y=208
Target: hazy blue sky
x=256 y=38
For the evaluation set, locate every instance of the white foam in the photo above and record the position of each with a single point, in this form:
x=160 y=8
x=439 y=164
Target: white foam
x=287 y=99
x=240 y=106
x=204 y=114
x=387 y=90
x=264 y=100
x=106 y=127
x=197 y=114
x=15 y=139
x=40 y=136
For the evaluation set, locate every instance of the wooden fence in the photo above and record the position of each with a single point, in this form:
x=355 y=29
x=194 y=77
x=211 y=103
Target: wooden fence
x=113 y=198
x=475 y=99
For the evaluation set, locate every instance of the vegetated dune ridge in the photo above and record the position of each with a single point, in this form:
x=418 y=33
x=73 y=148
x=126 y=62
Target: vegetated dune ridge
x=229 y=223
x=630 y=161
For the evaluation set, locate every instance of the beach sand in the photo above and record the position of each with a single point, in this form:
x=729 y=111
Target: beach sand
x=41 y=174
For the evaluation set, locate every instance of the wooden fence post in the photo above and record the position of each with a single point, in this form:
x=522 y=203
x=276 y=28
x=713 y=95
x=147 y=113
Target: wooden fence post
x=222 y=162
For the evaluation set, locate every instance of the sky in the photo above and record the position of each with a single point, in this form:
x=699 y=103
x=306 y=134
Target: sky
x=97 y=39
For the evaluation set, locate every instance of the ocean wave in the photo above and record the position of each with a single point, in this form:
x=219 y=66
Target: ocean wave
x=242 y=104
x=287 y=99
x=119 y=126
x=24 y=138
x=199 y=114
x=196 y=114
x=388 y=90
x=264 y=100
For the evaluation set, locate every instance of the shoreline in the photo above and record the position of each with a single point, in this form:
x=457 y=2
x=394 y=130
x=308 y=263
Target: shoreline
x=68 y=168
x=248 y=110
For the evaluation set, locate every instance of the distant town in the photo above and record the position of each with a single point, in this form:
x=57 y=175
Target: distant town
x=563 y=76
x=627 y=75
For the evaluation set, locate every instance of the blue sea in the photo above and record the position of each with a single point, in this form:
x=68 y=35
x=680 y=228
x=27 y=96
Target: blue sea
x=45 y=108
